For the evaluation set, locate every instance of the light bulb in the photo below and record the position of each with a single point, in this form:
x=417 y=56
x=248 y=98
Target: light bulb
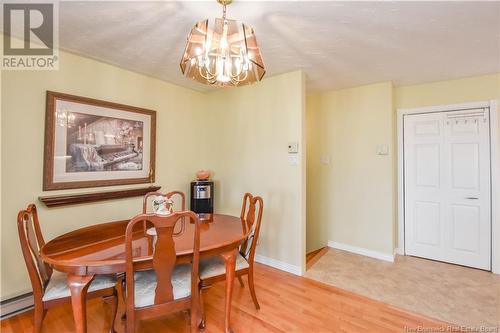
x=208 y=41
x=223 y=43
x=237 y=64
x=223 y=78
x=228 y=66
x=219 y=66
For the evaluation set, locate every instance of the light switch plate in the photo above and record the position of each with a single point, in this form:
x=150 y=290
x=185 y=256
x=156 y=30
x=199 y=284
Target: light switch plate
x=293 y=159
x=382 y=150
x=293 y=147
x=325 y=159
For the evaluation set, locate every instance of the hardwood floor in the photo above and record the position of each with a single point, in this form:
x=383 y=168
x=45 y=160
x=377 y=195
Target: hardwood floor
x=313 y=256
x=288 y=304
x=418 y=285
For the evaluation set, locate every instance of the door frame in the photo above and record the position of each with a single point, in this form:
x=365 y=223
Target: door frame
x=495 y=171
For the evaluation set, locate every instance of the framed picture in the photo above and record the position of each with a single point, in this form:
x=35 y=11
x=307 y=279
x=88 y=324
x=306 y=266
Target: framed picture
x=90 y=143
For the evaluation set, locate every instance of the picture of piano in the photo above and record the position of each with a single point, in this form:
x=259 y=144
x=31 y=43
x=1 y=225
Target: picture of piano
x=97 y=143
x=92 y=143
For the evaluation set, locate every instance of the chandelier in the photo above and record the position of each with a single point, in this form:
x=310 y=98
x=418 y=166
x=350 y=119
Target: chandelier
x=65 y=118
x=222 y=52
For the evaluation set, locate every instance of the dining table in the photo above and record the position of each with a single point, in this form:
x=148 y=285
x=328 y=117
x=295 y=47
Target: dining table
x=100 y=249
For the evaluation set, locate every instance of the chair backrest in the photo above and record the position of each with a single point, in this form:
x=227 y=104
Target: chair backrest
x=30 y=236
x=168 y=195
x=164 y=255
x=251 y=215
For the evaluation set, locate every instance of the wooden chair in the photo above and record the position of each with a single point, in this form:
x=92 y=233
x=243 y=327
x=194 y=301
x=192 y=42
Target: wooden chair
x=213 y=269
x=167 y=287
x=145 y=205
x=49 y=287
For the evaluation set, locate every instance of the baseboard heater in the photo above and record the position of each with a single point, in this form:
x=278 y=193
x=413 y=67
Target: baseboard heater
x=13 y=306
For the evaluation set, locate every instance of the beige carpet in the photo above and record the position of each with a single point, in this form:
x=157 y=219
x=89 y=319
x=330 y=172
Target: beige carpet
x=455 y=294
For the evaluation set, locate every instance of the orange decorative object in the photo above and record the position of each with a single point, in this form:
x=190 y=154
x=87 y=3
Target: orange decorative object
x=203 y=174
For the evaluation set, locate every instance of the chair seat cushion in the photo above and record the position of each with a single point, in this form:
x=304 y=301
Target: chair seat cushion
x=145 y=285
x=58 y=287
x=215 y=266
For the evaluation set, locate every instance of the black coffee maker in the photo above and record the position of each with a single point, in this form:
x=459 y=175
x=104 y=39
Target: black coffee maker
x=202 y=196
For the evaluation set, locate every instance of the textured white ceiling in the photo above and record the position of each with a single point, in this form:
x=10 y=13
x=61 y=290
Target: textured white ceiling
x=338 y=44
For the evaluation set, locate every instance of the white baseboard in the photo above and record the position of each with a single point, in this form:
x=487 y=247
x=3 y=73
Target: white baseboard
x=16 y=305
x=278 y=264
x=361 y=251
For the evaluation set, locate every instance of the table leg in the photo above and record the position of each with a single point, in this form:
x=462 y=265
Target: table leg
x=78 y=286
x=230 y=261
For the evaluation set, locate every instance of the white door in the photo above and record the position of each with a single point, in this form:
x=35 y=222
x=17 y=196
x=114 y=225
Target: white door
x=447 y=187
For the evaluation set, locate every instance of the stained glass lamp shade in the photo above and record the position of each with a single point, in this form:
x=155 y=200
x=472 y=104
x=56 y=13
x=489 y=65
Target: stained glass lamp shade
x=222 y=52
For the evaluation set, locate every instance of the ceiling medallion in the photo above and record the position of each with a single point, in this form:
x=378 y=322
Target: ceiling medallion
x=222 y=52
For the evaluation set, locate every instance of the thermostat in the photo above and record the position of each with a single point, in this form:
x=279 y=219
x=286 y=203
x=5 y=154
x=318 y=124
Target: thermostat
x=293 y=147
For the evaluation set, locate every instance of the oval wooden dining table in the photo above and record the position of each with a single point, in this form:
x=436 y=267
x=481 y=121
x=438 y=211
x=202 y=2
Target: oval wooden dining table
x=100 y=249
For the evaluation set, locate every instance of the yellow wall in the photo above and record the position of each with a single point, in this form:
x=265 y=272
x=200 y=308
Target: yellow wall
x=241 y=134
x=355 y=190
x=317 y=231
x=354 y=197
x=23 y=119
x=249 y=153
x=472 y=89
x=1 y=185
